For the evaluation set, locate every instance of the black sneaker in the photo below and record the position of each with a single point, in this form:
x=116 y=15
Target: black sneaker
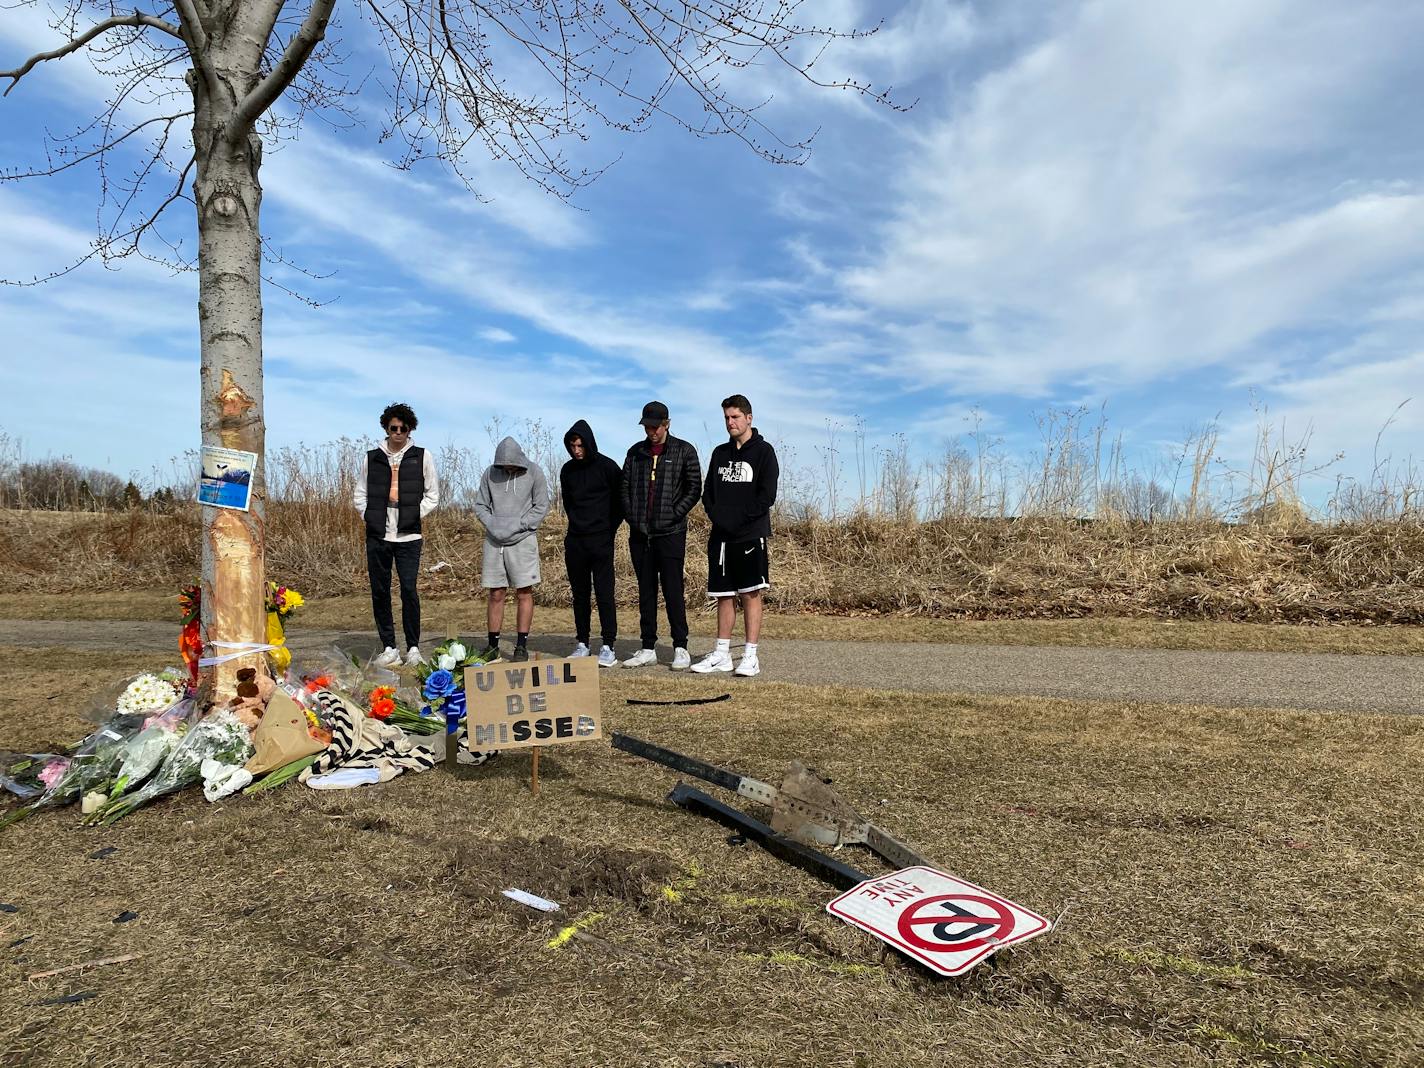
x=520 y=654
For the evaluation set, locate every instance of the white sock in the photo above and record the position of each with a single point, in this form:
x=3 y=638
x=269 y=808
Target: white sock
x=749 y=649
x=724 y=645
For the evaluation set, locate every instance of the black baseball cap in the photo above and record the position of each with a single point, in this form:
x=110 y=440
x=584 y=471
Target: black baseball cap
x=654 y=413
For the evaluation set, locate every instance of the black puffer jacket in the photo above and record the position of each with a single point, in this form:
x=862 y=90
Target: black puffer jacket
x=679 y=486
x=591 y=488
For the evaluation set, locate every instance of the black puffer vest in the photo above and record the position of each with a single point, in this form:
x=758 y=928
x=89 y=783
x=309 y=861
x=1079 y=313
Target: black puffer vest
x=408 y=493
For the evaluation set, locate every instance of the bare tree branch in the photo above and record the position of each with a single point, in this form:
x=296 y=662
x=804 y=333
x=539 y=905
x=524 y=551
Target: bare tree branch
x=196 y=38
x=138 y=20
x=265 y=92
x=98 y=150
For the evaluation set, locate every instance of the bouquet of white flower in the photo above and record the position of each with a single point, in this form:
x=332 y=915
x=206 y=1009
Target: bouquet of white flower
x=220 y=737
x=149 y=693
x=147 y=750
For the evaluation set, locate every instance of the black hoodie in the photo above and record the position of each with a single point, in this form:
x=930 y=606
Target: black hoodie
x=590 y=487
x=741 y=488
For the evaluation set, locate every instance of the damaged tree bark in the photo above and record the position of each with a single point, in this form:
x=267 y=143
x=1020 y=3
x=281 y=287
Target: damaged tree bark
x=229 y=200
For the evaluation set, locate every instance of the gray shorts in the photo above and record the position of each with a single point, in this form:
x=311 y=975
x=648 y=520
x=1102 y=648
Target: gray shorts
x=514 y=565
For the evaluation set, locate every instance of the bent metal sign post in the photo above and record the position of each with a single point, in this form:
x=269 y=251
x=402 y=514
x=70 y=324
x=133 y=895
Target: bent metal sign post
x=542 y=702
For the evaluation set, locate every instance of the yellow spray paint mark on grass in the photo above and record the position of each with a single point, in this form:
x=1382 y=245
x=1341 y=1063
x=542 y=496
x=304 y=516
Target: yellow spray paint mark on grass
x=567 y=934
x=674 y=891
x=1264 y=1048
x=736 y=901
x=1200 y=969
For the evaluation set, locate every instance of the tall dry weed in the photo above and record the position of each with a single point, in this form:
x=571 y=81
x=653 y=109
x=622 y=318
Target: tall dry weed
x=975 y=568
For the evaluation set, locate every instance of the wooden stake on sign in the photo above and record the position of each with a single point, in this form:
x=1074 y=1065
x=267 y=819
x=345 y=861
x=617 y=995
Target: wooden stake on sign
x=534 y=766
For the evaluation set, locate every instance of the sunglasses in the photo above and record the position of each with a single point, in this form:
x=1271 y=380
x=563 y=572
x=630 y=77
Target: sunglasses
x=394 y=428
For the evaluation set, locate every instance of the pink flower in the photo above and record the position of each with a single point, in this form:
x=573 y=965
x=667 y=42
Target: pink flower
x=52 y=772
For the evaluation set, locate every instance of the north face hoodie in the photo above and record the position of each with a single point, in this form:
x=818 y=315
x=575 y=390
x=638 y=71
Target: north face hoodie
x=741 y=488
x=590 y=488
x=511 y=506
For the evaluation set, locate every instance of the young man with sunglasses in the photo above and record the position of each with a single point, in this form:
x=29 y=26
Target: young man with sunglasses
x=396 y=489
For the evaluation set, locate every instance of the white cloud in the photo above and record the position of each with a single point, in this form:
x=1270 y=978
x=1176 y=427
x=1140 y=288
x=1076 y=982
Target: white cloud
x=1155 y=187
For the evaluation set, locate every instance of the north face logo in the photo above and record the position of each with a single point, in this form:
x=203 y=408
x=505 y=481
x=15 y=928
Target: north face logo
x=736 y=471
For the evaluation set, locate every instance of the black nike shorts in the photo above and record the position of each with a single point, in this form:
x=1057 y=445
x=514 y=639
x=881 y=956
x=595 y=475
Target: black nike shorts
x=735 y=567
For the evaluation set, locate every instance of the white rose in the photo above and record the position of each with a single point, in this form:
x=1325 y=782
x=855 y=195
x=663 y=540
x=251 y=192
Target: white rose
x=457 y=650
x=446 y=662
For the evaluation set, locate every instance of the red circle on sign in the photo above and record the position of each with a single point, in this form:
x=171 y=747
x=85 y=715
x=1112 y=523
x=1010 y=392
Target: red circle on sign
x=1001 y=922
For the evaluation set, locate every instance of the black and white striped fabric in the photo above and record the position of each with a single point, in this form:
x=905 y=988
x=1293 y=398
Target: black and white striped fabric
x=358 y=741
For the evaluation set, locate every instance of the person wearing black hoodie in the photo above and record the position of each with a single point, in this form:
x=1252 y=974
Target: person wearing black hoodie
x=738 y=495
x=590 y=485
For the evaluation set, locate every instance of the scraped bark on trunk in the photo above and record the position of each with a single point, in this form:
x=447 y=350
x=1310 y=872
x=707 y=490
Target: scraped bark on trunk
x=228 y=197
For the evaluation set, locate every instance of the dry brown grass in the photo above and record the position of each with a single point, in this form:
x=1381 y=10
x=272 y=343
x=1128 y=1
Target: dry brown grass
x=1244 y=890
x=967 y=569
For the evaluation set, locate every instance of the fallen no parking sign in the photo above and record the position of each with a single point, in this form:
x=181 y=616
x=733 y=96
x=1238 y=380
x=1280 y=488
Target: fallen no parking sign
x=947 y=924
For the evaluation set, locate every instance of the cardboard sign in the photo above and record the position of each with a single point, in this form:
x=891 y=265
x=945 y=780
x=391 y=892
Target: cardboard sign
x=226 y=479
x=942 y=921
x=542 y=702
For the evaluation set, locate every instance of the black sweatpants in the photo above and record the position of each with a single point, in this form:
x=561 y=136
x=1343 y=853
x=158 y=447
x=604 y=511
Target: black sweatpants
x=588 y=558
x=660 y=561
x=380 y=554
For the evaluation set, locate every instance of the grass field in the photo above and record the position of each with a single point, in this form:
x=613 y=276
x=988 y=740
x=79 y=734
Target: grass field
x=1241 y=888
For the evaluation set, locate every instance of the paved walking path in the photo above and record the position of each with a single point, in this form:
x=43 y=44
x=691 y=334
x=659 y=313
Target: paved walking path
x=1224 y=679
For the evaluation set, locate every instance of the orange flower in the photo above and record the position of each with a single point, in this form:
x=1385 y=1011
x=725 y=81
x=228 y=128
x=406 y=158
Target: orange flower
x=383 y=708
x=317 y=682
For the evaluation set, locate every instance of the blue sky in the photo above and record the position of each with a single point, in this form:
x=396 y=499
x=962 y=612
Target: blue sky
x=1170 y=209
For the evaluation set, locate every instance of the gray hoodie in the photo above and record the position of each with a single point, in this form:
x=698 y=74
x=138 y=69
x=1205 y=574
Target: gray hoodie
x=511 y=506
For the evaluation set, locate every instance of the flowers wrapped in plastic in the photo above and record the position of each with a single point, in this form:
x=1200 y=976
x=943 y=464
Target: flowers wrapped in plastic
x=387 y=704
x=148 y=694
x=219 y=737
x=145 y=751
x=91 y=766
x=28 y=775
x=281 y=602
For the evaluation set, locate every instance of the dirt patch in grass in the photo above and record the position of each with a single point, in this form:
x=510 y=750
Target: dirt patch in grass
x=1241 y=889
x=443 y=615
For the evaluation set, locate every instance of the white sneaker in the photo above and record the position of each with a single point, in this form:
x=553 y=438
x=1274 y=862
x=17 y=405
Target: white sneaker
x=413 y=657
x=642 y=658
x=387 y=658
x=681 y=659
x=713 y=661
x=748 y=667
x=607 y=657
x=579 y=650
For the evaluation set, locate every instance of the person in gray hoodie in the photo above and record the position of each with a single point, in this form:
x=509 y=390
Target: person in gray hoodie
x=512 y=501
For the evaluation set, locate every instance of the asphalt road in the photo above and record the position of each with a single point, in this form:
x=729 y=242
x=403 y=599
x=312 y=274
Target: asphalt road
x=1326 y=681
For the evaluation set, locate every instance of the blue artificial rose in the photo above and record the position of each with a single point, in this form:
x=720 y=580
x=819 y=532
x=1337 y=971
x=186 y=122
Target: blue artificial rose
x=438 y=684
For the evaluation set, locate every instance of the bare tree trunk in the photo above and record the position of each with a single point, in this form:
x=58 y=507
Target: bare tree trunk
x=229 y=198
